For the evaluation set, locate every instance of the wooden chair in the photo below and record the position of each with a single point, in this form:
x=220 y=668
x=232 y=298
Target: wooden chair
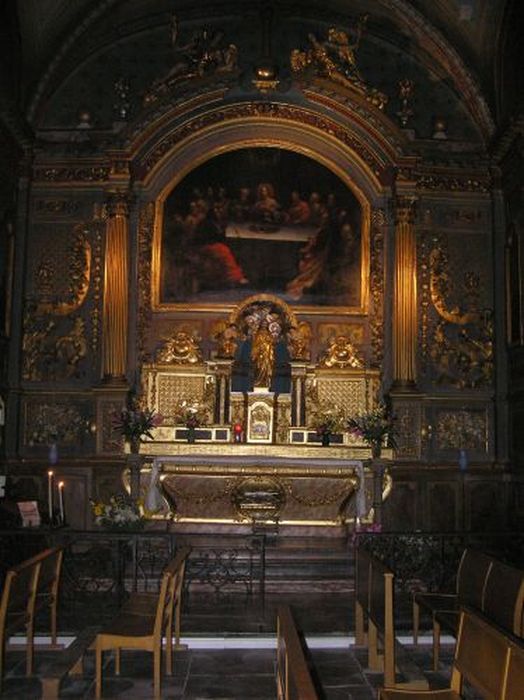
x=17 y=608
x=48 y=586
x=143 y=622
x=294 y=680
x=481 y=658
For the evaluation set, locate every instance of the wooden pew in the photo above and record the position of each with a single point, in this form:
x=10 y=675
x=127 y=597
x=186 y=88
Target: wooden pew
x=26 y=591
x=374 y=600
x=472 y=573
x=143 y=622
x=501 y=601
x=514 y=687
x=482 y=658
x=294 y=680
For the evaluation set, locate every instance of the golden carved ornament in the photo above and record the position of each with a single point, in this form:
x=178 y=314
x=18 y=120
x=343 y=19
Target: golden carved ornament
x=258 y=498
x=204 y=55
x=335 y=58
x=72 y=174
x=180 y=349
x=440 y=285
x=315 y=499
x=264 y=111
x=79 y=275
x=377 y=286
x=226 y=337
x=464 y=358
x=450 y=183
x=341 y=353
x=299 y=341
x=146 y=222
x=461 y=429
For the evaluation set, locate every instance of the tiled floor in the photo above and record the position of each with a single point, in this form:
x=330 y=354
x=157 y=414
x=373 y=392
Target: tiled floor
x=232 y=673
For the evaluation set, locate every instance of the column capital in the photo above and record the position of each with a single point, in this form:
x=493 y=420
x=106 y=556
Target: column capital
x=118 y=203
x=405 y=208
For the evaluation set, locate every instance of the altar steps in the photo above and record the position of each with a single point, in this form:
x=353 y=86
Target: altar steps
x=281 y=565
x=309 y=565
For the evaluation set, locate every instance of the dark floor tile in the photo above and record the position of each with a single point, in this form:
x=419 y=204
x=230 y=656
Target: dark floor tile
x=21 y=687
x=233 y=662
x=230 y=688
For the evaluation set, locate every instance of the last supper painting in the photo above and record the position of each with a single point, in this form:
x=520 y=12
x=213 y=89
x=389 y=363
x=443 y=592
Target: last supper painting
x=262 y=220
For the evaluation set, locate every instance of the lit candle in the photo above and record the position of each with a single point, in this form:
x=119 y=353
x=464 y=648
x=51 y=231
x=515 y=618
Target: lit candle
x=50 y=495
x=61 y=501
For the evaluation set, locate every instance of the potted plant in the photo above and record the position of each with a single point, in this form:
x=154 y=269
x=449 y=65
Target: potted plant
x=135 y=424
x=121 y=513
x=192 y=414
x=375 y=428
x=326 y=421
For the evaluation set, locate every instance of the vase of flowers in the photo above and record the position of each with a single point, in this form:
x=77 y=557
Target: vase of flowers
x=120 y=513
x=328 y=420
x=135 y=424
x=192 y=414
x=375 y=428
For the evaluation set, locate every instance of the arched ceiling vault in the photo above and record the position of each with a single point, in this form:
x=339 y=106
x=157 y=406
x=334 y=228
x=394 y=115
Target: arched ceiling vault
x=457 y=40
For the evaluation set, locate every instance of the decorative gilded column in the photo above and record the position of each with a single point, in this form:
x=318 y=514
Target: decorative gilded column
x=298 y=393
x=405 y=294
x=116 y=274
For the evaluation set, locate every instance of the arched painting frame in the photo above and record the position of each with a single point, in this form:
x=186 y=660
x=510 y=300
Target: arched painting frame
x=262 y=219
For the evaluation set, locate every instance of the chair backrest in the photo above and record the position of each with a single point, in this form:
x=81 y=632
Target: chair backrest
x=19 y=594
x=471 y=578
x=174 y=575
x=362 y=576
x=514 y=687
x=163 y=605
x=504 y=597
x=481 y=656
x=50 y=570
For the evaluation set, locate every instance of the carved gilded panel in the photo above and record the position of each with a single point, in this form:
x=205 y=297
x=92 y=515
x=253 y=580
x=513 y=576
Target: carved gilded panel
x=461 y=429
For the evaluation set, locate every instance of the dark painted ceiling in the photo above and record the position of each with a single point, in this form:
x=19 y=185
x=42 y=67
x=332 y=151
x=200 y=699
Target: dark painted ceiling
x=474 y=44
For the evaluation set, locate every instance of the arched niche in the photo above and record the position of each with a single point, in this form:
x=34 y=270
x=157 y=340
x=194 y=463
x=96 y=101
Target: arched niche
x=346 y=157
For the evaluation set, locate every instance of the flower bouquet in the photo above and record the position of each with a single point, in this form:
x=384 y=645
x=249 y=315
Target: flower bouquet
x=121 y=513
x=192 y=415
x=135 y=423
x=375 y=428
x=327 y=420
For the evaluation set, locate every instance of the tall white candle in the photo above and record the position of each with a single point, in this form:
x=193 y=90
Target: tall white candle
x=61 y=501
x=50 y=495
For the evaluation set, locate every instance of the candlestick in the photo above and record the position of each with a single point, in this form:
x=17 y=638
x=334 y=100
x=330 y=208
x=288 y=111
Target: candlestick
x=50 y=495
x=61 y=501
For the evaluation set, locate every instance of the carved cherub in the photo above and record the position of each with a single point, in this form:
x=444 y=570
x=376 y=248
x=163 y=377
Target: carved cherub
x=298 y=342
x=227 y=337
x=340 y=353
x=182 y=348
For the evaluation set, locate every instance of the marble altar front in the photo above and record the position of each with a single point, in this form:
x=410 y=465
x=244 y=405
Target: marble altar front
x=261 y=485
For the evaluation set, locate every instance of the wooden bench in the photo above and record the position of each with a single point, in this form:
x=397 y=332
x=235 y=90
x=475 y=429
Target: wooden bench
x=30 y=587
x=489 y=660
x=294 y=681
x=484 y=584
x=374 y=605
x=469 y=590
x=143 y=622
